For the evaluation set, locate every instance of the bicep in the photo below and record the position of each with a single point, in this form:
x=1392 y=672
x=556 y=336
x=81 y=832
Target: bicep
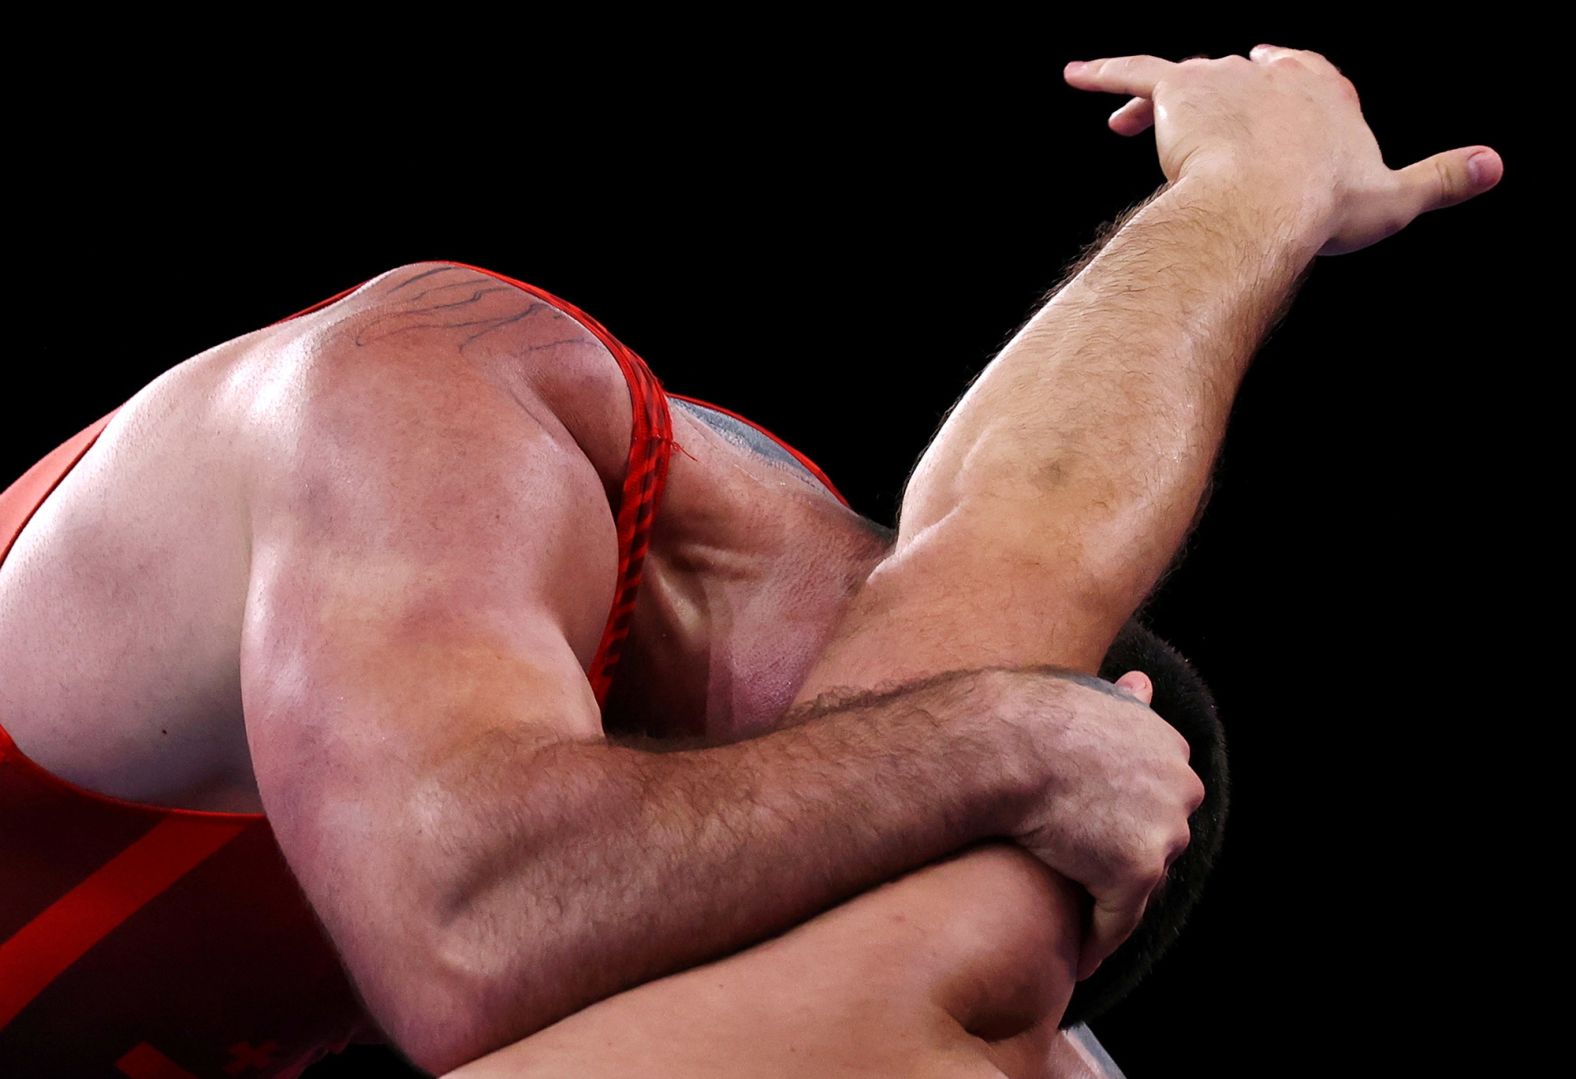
x=431 y=570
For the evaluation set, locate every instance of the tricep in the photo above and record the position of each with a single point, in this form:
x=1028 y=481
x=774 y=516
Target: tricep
x=432 y=564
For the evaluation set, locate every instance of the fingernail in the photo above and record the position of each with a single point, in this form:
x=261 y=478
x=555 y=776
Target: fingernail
x=1073 y=68
x=1478 y=166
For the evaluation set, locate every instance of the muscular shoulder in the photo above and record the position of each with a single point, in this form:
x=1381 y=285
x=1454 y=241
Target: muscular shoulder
x=438 y=331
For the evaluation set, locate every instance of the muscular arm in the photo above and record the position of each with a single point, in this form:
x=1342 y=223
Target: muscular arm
x=1029 y=539
x=981 y=577
x=1079 y=457
x=1016 y=543
x=909 y=620
x=432 y=564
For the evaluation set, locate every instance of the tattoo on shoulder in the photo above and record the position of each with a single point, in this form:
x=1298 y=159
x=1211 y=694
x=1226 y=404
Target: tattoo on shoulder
x=459 y=299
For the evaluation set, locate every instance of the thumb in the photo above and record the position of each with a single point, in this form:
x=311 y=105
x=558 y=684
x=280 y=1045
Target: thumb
x=1450 y=178
x=1138 y=684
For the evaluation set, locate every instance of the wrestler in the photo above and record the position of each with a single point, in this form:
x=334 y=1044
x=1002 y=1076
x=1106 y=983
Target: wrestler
x=300 y=689
x=959 y=968
x=966 y=967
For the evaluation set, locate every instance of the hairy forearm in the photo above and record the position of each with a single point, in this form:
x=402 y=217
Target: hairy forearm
x=1092 y=435
x=599 y=866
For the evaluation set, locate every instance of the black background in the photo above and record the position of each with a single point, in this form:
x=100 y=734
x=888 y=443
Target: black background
x=831 y=243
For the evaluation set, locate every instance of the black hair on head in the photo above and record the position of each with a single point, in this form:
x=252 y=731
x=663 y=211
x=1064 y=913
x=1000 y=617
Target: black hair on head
x=1182 y=699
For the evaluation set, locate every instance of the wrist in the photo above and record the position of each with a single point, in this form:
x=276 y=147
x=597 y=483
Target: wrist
x=1021 y=700
x=1284 y=211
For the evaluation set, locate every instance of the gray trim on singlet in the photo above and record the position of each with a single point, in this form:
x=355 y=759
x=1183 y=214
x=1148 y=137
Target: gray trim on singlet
x=1085 y=1037
x=746 y=437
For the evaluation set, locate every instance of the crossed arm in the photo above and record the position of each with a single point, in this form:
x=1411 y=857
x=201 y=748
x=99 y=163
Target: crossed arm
x=438 y=823
x=1036 y=522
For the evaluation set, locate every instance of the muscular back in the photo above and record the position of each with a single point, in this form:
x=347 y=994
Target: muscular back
x=122 y=601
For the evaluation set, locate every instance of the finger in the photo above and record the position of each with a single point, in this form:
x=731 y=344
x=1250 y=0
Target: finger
x=1138 y=115
x=1448 y=179
x=1138 y=684
x=1135 y=76
x=1263 y=54
x=1134 y=118
x=1111 y=925
x=1266 y=53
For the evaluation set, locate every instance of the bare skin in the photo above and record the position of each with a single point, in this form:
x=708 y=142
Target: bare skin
x=962 y=968
x=147 y=538
x=162 y=502
x=804 y=548
x=808 y=1028
x=889 y=983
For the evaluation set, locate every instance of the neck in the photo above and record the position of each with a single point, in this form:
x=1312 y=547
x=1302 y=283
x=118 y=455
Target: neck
x=748 y=570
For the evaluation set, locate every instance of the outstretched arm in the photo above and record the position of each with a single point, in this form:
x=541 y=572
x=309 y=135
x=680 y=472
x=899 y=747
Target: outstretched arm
x=1062 y=483
x=1088 y=442
x=422 y=604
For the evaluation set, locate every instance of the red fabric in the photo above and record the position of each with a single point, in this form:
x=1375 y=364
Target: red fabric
x=146 y=941
x=69 y=927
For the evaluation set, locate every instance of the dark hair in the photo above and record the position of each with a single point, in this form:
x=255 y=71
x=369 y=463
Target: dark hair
x=1182 y=699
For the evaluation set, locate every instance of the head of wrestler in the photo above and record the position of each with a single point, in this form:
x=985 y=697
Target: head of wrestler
x=1183 y=700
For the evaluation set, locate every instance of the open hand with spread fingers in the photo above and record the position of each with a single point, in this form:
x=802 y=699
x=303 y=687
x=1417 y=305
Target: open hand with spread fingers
x=1288 y=123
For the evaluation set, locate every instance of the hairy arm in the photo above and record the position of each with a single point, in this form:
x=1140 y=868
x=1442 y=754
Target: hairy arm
x=1079 y=458
x=432 y=564
x=1062 y=483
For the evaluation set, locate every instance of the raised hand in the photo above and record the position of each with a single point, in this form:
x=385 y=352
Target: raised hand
x=1287 y=121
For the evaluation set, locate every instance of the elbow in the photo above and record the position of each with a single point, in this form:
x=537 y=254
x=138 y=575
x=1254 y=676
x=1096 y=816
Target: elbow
x=436 y=1035
x=473 y=953
x=427 y=1008
x=437 y=1049
x=464 y=996
x=453 y=1001
x=439 y=1031
x=437 y=1028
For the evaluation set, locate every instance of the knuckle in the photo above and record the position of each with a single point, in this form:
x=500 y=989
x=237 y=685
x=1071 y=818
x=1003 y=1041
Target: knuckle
x=1132 y=860
x=1140 y=869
